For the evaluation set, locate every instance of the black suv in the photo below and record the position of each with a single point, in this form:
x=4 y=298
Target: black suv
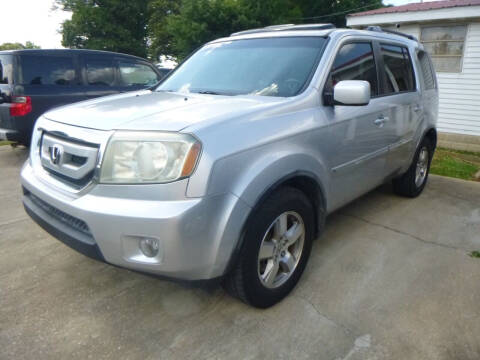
x=34 y=81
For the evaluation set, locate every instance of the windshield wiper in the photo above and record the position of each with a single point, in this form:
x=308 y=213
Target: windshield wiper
x=208 y=92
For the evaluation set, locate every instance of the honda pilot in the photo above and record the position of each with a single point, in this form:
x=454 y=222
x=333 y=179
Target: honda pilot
x=229 y=167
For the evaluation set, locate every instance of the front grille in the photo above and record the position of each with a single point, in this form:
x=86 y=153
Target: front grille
x=70 y=221
x=74 y=183
x=68 y=160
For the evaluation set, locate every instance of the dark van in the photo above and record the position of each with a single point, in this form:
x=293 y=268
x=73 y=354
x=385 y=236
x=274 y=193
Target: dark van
x=34 y=81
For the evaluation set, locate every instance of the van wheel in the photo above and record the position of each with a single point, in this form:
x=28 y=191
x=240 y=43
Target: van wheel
x=276 y=247
x=412 y=183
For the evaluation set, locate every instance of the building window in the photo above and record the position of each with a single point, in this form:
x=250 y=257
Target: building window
x=445 y=46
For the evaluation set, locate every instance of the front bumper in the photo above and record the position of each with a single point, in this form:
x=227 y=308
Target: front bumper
x=197 y=235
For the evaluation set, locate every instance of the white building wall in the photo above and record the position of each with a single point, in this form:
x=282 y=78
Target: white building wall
x=460 y=92
x=408 y=29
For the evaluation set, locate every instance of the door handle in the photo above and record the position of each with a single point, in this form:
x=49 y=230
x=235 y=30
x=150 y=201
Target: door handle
x=381 y=120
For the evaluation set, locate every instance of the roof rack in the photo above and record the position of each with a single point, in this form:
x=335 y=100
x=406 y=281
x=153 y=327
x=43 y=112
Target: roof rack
x=388 y=31
x=286 y=27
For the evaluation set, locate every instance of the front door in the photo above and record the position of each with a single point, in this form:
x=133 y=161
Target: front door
x=358 y=141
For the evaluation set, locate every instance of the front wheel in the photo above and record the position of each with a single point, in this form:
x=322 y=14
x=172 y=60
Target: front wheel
x=276 y=247
x=412 y=183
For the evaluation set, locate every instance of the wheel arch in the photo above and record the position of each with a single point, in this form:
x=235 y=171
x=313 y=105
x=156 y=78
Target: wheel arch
x=431 y=134
x=304 y=181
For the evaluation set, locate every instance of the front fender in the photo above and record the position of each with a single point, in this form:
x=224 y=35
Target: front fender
x=252 y=173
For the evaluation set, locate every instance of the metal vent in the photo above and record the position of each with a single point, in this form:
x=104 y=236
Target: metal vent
x=59 y=215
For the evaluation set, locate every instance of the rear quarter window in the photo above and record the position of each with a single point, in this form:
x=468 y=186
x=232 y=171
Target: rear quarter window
x=47 y=70
x=164 y=72
x=427 y=72
x=132 y=73
x=6 y=69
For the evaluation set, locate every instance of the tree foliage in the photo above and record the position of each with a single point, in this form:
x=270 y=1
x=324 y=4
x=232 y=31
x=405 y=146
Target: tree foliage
x=160 y=38
x=324 y=11
x=114 y=25
x=18 y=46
x=194 y=22
x=202 y=20
x=177 y=27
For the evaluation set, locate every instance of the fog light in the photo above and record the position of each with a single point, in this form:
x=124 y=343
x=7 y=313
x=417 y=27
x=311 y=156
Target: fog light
x=149 y=247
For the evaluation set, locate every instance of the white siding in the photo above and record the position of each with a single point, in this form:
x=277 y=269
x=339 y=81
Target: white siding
x=460 y=92
x=407 y=29
x=416 y=17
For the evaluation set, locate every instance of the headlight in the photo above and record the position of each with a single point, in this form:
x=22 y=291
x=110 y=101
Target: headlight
x=148 y=157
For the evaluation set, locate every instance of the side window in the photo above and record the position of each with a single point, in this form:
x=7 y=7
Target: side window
x=6 y=69
x=47 y=70
x=398 y=69
x=100 y=72
x=426 y=66
x=355 y=61
x=137 y=74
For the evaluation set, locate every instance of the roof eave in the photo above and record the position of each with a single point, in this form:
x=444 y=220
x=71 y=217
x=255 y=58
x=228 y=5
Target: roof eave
x=463 y=12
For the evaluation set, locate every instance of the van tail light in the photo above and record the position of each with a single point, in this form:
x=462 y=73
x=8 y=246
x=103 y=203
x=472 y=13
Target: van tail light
x=21 y=105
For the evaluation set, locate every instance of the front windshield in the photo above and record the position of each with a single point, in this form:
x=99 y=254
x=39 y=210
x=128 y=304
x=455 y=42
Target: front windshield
x=268 y=66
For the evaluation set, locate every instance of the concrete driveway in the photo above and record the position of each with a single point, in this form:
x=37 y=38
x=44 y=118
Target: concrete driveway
x=391 y=278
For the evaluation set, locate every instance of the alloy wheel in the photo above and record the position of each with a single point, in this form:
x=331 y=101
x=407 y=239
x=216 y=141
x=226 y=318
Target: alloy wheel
x=422 y=167
x=281 y=249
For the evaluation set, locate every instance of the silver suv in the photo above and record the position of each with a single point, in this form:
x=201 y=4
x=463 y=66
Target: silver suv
x=229 y=167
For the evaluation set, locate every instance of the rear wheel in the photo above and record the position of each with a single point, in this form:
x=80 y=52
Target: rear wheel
x=412 y=183
x=276 y=247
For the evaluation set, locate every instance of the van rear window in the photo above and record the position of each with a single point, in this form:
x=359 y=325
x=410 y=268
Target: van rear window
x=47 y=70
x=6 y=69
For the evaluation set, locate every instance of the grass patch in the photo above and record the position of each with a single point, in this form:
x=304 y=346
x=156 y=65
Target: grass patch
x=475 y=254
x=457 y=164
x=4 y=142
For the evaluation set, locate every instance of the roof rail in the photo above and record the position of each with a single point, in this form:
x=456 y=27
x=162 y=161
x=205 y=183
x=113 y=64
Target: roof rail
x=388 y=31
x=286 y=27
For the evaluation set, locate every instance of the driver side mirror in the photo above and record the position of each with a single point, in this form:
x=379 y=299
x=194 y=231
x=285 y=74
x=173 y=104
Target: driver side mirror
x=351 y=93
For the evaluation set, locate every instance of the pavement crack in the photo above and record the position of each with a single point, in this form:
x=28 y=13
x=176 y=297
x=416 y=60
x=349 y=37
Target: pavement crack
x=328 y=319
x=13 y=221
x=404 y=233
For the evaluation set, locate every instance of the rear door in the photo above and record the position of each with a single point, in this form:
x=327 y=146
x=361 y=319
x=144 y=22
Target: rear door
x=429 y=93
x=401 y=96
x=100 y=75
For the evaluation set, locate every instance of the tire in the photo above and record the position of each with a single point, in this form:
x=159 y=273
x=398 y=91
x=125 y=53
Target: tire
x=250 y=280
x=408 y=184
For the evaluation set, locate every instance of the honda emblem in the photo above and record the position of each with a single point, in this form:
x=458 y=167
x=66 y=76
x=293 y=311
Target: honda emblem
x=56 y=152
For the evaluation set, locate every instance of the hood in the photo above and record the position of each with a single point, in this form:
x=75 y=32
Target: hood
x=147 y=110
